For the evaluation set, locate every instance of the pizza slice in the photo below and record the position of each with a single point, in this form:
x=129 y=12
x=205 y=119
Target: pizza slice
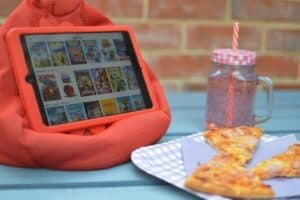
x=240 y=142
x=224 y=176
x=286 y=164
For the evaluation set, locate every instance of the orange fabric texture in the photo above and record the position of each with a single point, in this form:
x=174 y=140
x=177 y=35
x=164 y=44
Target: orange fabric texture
x=94 y=148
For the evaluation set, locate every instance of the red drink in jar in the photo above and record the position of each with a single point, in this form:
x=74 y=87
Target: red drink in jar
x=231 y=90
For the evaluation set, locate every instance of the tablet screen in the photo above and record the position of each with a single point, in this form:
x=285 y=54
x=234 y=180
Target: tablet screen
x=81 y=76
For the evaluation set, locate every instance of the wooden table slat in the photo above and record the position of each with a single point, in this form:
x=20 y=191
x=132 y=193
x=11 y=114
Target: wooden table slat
x=189 y=126
x=199 y=113
x=191 y=99
x=159 y=192
x=11 y=177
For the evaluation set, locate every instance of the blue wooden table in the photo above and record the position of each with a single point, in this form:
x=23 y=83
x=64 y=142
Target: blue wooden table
x=126 y=181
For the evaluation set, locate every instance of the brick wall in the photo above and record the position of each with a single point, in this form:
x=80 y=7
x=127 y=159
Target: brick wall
x=177 y=36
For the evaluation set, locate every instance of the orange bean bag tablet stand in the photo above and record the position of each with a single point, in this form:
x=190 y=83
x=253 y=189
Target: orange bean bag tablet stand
x=89 y=148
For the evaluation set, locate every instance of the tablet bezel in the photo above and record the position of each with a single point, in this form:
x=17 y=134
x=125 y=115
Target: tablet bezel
x=27 y=91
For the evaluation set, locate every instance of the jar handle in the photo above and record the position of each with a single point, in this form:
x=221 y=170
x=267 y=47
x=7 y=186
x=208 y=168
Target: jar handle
x=266 y=82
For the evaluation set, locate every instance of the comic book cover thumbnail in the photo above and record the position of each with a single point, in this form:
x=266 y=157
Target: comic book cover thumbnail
x=48 y=87
x=121 y=49
x=130 y=77
x=57 y=115
x=75 y=112
x=75 y=52
x=65 y=77
x=108 y=51
x=69 y=90
x=125 y=104
x=101 y=81
x=116 y=79
x=69 y=86
x=85 y=83
x=39 y=54
x=109 y=106
x=92 y=51
x=92 y=109
x=138 y=102
x=58 y=53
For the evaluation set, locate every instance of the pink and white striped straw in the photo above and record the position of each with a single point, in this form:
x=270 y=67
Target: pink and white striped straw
x=235 y=45
x=235 y=36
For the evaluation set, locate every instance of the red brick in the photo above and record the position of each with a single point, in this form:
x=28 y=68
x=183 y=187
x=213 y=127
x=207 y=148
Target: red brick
x=277 y=66
x=187 y=9
x=157 y=36
x=180 y=66
x=209 y=37
x=283 y=40
x=6 y=6
x=271 y=10
x=119 y=8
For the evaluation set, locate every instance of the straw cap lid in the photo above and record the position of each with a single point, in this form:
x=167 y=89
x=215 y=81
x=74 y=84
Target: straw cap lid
x=230 y=57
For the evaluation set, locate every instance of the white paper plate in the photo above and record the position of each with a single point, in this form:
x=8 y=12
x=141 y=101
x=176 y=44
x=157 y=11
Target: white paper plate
x=164 y=161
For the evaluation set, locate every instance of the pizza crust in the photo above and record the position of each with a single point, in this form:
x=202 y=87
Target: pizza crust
x=228 y=191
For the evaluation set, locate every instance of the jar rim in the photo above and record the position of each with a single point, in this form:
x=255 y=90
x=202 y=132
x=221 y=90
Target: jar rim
x=228 y=56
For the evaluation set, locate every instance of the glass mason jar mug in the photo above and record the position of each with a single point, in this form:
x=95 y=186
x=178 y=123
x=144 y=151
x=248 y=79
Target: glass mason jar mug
x=232 y=88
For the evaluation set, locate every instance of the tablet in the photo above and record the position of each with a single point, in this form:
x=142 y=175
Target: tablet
x=76 y=77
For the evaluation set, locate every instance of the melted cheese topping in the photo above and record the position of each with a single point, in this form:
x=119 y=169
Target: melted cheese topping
x=286 y=164
x=239 y=142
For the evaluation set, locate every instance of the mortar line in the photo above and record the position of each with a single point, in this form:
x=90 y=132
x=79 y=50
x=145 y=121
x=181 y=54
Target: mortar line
x=183 y=45
x=146 y=10
x=263 y=48
x=228 y=16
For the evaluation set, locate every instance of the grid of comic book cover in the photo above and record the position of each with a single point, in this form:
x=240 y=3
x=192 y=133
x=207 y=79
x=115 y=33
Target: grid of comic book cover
x=61 y=114
x=94 y=83
x=87 y=78
x=51 y=53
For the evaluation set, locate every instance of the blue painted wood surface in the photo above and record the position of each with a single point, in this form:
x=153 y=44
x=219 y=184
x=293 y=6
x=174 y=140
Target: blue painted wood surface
x=126 y=181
